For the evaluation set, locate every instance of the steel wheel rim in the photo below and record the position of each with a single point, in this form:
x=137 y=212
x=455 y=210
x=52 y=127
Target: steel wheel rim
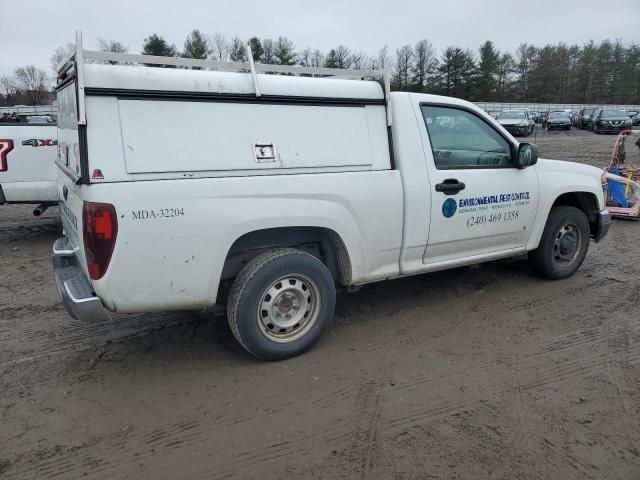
x=288 y=308
x=566 y=244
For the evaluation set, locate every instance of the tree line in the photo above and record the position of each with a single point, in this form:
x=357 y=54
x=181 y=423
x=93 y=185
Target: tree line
x=593 y=73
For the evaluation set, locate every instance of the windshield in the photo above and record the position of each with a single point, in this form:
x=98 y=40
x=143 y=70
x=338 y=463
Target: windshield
x=557 y=115
x=512 y=115
x=614 y=113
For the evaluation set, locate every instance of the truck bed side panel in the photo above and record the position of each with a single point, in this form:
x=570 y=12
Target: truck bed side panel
x=175 y=234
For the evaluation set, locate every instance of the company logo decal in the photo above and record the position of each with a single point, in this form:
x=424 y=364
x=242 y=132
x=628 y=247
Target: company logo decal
x=449 y=208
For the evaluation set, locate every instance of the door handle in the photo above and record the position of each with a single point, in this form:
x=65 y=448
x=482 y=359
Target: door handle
x=450 y=186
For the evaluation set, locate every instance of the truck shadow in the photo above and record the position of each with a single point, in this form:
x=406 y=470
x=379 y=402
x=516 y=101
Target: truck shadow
x=187 y=337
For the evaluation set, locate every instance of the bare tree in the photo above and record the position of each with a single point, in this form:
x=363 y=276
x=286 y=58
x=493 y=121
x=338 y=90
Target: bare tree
x=343 y=56
x=268 y=51
x=311 y=58
x=317 y=58
x=111 y=46
x=424 y=64
x=401 y=74
x=219 y=47
x=377 y=62
x=358 y=60
x=59 y=55
x=525 y=57
x=305 y=57
x=32 y=81
x=9 y=86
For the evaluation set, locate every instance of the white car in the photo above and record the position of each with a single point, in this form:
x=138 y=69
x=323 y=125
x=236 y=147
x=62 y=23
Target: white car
x=27 y=164
x=192 y=188
x=517 y=121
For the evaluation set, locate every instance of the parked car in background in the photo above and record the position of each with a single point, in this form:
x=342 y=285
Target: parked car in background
x=592 y=118
x=41 y=120
x=517 y=122
x=611 y=120
x=558 y=120
x=583 y=116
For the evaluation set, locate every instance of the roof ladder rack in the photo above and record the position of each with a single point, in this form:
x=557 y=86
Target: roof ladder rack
x=80 y=55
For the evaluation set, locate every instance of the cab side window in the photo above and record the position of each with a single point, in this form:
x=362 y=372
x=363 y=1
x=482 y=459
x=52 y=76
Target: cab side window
x=459 y=139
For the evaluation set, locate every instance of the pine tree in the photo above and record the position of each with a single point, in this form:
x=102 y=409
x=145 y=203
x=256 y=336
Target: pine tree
x=237 y=51
x=284 y=51
x=486 y=84
x=456 y=73
x=256 y=48
x=156 y=45
x=196 y=46
x=331 y=60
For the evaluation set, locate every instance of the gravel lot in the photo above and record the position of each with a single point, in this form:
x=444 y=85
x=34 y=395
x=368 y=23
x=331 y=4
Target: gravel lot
x=485 y=372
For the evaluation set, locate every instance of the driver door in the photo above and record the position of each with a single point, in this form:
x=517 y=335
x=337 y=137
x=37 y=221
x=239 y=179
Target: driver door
x=481 y=202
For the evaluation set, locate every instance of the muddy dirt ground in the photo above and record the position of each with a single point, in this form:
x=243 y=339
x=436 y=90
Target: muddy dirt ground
x=485 y=372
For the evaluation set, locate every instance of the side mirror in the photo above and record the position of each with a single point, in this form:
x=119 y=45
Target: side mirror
x=527 y=155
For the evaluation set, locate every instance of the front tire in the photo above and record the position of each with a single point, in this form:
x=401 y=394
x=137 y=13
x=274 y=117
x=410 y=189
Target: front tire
x=564 y=243
x=281 y=303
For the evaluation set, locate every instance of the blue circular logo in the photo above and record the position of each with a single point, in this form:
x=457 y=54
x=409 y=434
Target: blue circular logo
x=449 y=207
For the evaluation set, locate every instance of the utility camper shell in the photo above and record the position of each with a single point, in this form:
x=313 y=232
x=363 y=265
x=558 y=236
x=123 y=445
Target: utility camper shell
x=208 y=123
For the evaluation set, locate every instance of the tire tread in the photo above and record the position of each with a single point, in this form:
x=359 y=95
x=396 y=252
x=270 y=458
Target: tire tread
x=244 y=278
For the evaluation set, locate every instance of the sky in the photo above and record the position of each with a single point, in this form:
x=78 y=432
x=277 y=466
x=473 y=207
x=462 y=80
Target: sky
x=32 y=29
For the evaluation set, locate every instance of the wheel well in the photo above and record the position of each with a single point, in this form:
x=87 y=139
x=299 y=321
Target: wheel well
x=322 y=243
x=585 y=201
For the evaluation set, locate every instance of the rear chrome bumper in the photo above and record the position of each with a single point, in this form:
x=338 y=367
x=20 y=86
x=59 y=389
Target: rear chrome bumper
x=604 y=223
x=73 y=286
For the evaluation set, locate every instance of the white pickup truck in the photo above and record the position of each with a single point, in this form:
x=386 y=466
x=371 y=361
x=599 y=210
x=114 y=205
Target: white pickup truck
x=27 y=164
x=183 y=189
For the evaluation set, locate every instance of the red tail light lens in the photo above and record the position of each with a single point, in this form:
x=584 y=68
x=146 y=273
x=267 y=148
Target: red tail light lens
x=5 y=147
x=100 y=229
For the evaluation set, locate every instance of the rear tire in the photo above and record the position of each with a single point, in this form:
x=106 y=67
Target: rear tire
x=281 y=303
x=564 y=243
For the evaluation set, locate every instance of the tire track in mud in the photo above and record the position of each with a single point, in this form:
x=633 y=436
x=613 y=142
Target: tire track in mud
x=547 y=374
x=189 y=440
x=182 y=443
x=12 y=231
x=560 y=372
x=356 y=460
x=78 y=336
x=414 y=339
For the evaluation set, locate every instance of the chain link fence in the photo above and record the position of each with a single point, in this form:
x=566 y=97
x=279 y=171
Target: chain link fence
x=546 y=107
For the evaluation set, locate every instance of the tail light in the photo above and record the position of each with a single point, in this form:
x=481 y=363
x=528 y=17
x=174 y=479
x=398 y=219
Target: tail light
x=5 y=147
x=100 y=229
